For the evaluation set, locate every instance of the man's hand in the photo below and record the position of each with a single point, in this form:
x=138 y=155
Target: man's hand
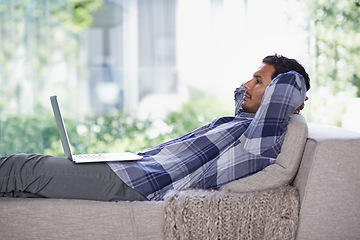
x=297 y=111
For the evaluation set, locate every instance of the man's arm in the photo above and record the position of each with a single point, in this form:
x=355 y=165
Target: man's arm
x=282 y=97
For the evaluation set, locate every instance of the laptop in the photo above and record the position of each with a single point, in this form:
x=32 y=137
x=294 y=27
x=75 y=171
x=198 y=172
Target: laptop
x=85 y=158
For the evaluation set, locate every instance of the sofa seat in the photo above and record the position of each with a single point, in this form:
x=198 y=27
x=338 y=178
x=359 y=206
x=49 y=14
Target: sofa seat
x=35 y=218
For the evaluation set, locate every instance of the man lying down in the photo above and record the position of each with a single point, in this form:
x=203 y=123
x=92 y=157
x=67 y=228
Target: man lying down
x=227 y=149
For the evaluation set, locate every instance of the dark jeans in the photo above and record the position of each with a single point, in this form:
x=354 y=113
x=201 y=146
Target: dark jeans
x=33 y=175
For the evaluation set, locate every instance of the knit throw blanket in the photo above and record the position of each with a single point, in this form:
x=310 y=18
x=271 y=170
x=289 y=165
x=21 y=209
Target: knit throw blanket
x=204 y=214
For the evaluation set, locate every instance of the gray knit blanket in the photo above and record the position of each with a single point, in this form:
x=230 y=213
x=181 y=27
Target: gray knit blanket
x=204 y=214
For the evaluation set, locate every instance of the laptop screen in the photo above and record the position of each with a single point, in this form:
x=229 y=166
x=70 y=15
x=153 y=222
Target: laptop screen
x=61 y=127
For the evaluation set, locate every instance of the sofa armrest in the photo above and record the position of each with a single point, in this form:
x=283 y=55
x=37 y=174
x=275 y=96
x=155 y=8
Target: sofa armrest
x=283 y=171
x=328 y=181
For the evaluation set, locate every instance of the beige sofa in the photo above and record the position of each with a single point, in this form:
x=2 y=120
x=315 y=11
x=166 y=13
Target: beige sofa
x=325 y=161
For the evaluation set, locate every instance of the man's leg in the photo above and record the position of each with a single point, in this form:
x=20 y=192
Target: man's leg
x=32 y=175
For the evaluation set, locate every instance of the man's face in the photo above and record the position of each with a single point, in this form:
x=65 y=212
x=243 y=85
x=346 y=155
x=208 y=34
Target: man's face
x=255 y=88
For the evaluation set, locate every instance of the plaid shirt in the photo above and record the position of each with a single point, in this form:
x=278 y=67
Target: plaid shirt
x=227 y=149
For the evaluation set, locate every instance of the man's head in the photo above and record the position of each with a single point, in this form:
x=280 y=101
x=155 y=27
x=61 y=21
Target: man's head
x=271 y=66
x=283 y=64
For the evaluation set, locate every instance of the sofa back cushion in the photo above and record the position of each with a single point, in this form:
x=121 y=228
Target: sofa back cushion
x=283 y=171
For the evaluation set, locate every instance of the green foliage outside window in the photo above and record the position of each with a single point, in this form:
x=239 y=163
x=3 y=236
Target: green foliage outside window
x=30 y=33
x=334 y=45
x=336 y=33
x=39 y=134
x=109 y=133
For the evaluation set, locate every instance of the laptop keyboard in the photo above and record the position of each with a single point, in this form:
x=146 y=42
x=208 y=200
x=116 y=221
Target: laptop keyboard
x=89 y=156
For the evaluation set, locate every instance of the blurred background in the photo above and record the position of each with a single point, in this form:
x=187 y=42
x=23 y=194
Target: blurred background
x=130 y=74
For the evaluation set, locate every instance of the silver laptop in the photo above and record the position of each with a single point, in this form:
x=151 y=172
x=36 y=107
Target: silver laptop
x=85 y=158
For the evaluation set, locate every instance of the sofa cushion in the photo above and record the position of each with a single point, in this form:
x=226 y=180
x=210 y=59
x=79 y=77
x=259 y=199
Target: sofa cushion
x=285 y=167
x=49 y=218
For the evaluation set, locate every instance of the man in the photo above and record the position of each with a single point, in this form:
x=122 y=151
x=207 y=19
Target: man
x=227 y=149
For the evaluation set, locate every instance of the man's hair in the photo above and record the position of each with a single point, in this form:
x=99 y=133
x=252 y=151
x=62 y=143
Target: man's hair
x=283 y=64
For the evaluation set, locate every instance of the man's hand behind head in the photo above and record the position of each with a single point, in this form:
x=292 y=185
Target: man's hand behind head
x=301 y=107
